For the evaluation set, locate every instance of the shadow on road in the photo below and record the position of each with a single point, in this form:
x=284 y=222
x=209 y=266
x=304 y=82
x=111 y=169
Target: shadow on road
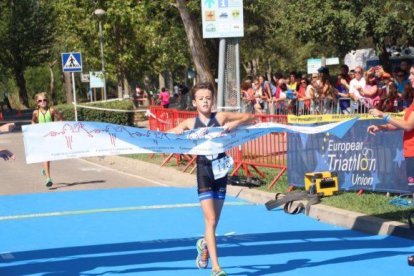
x=63 y=185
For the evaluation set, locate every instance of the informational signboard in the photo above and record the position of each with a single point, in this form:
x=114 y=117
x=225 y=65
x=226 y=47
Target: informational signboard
x=332 y=61
x=97 y=79
x=313 y=65
x=84 y=77
x=222 y=18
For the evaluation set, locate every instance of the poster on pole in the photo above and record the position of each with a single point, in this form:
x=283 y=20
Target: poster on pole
x=313 y=65
x=97 y=79
x=222 y=18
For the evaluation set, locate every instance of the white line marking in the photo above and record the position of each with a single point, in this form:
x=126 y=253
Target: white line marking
x=110 y=210
x=125 y=173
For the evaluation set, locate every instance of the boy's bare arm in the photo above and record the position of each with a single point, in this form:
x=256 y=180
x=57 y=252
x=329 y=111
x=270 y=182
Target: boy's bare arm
x=233 y=120
x=184 y=125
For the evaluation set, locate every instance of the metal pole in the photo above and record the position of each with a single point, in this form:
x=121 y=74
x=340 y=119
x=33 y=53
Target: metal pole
x=102 y=57
x=237 y=72
x=220 y=87
x=74 y=96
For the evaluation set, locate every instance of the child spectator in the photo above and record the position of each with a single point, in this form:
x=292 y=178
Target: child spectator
x=45 y=114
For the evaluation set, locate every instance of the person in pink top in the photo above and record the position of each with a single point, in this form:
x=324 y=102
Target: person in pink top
x=165 y=97
x=370 y=91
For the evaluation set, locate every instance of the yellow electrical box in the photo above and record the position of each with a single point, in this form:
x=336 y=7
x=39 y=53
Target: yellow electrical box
x=321 y=182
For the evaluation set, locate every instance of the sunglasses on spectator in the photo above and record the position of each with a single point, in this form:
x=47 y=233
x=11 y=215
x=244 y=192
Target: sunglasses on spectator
x=314 y=77
x=42 y=100
x=358 y=72
x=303 y=82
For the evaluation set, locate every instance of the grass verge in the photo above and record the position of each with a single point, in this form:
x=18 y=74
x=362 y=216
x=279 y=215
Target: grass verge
x=369 y=203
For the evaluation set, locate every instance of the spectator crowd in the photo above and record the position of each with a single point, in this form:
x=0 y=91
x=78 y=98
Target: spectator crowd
x=354 y=91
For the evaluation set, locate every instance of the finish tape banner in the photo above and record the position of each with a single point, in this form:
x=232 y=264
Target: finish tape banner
x=64 y=140
x=361 y=160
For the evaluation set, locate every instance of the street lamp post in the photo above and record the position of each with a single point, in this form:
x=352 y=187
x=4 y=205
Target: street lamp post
x=100 y=13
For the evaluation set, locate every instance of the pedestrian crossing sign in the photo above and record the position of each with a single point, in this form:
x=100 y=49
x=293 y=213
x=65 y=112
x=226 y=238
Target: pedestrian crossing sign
x=72 y=62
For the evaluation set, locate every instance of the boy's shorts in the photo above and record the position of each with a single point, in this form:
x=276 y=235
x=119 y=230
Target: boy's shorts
x=207 y=186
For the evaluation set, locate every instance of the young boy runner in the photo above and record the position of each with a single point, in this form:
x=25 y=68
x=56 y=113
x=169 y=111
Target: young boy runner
x=211 y=191
x=45 y=114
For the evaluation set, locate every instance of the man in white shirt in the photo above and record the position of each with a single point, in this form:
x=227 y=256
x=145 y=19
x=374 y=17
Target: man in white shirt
x=356 y=84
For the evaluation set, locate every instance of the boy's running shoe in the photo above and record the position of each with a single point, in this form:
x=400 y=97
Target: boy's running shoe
x=218 y=273
x=202 y=256
x=49 y=182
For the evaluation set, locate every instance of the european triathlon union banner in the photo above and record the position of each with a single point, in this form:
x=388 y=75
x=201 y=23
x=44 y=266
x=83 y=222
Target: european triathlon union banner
x=362 y=161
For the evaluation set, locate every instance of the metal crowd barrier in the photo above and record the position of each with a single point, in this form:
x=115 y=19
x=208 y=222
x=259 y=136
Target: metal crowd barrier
x=328 y=106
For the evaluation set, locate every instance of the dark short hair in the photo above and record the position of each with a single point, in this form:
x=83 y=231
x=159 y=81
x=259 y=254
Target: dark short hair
x=202 y=85
x=323 y=70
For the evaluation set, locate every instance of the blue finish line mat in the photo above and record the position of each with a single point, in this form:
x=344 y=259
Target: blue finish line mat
x=153 y=231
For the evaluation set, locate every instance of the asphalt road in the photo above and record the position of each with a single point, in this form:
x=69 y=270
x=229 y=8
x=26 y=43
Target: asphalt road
x=17 y=177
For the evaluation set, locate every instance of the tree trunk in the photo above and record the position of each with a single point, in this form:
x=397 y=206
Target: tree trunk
x=120 y=81
x=127 y=88
x=161 y=81
x=195 y=43
x=249 y=69
x=21 y=83
x=255 y=64
x=67 y=84
x=170 y=81
x=269 y=72
x=52 y=82
x=120 y=85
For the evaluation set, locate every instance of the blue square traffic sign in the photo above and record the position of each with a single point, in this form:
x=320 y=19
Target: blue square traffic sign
x=72 y=62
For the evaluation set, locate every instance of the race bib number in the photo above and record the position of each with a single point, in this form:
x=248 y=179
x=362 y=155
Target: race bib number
x=222 y=166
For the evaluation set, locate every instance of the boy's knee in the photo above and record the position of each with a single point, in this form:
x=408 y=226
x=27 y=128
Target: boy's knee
x=211 y=221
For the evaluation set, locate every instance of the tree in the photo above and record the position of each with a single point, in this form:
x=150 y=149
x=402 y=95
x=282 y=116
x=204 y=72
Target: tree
x=341 y=26
x=195 y=43
x=27 y=29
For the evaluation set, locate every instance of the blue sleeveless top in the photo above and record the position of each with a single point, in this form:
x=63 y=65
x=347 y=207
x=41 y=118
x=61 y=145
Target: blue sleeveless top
x=212 y=122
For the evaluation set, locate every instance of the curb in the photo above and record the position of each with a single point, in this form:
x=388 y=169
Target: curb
x=327 y=214
x=335 y=216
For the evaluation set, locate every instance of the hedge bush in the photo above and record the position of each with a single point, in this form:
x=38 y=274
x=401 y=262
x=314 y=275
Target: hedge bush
x=119 y=118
